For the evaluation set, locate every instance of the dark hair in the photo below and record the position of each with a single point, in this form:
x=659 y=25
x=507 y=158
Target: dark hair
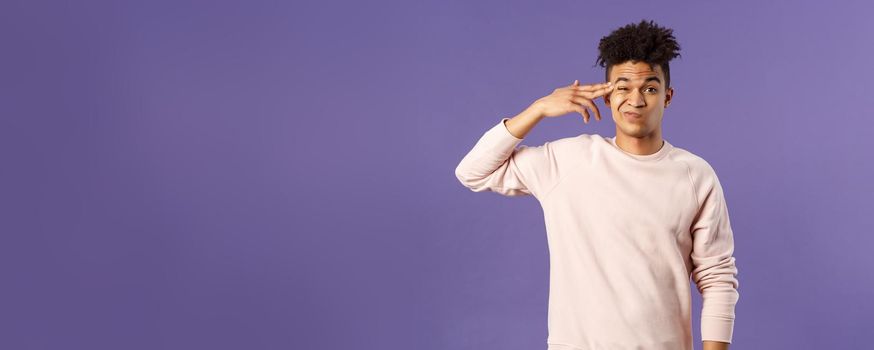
x=644 y=41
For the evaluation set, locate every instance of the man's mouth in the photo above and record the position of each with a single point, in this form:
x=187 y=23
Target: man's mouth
x=631 y=115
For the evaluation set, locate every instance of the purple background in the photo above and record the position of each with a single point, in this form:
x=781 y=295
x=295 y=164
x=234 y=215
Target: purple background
x=274 y=175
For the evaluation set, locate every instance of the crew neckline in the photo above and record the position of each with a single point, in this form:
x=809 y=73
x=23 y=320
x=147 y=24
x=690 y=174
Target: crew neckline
x=663 y=151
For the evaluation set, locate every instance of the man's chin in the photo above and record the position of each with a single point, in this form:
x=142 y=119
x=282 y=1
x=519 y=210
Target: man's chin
x=636 y=131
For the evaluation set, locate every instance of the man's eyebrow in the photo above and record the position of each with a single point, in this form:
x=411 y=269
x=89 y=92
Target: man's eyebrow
x=647 y=79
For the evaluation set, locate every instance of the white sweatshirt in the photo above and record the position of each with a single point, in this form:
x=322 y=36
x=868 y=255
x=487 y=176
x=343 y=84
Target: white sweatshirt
x=625 y=233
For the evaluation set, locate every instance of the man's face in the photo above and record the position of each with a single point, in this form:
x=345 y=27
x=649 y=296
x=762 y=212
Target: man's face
x=638 y=89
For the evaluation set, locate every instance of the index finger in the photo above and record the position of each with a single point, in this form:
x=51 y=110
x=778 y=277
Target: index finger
x=593 y=94
x=594 y=87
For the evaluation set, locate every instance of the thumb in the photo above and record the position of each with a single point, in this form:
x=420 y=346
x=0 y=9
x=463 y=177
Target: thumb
x=576 y=82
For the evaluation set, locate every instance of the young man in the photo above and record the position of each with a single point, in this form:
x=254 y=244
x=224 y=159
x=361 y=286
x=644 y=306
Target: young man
x=629 y=219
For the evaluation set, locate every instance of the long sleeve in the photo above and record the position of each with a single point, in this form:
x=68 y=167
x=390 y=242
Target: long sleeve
x=715 y=272
x=496 y=164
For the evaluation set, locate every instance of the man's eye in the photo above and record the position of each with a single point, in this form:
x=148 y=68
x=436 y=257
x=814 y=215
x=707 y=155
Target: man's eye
x=652 y=88
x=622 y=88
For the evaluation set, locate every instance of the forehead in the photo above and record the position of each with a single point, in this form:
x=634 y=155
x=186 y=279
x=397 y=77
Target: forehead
x=636 y=72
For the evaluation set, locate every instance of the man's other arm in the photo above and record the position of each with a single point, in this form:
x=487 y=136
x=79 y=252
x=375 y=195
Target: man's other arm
x=715 y=270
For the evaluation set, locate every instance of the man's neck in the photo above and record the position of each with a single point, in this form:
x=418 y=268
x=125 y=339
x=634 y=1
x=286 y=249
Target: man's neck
x=640 y=146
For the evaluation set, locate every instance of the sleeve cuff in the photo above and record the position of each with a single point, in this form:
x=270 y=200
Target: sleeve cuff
x=717 y=329
x=503 y=126
x=499 y=137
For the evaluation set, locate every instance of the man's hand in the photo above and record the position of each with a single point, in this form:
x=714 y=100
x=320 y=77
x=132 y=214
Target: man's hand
x=715 y=345
x=572 y=98
x=564 y=100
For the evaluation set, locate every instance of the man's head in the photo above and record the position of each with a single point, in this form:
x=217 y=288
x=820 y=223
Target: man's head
x=636 y=58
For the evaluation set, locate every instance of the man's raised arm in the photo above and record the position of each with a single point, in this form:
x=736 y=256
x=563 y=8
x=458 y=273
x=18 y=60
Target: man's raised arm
x=496 y=164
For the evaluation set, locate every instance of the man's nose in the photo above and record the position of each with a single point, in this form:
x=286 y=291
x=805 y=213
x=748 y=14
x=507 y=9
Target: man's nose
x=636 y=99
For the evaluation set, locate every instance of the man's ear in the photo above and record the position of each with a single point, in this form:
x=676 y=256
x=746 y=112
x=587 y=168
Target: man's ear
x=607 y=99
x=669 y=94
